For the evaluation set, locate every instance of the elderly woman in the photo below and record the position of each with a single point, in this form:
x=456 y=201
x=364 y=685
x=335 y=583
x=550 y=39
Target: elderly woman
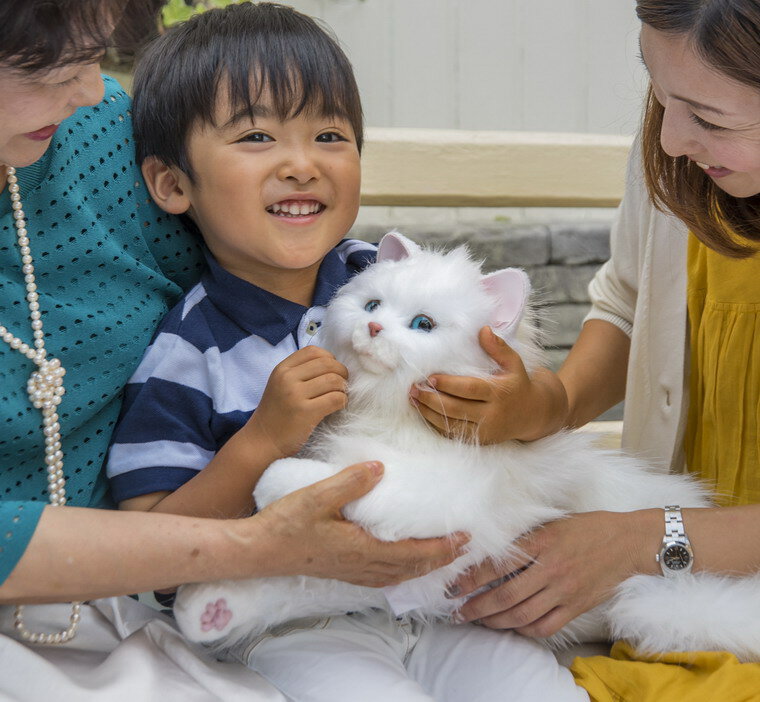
x=88 y=265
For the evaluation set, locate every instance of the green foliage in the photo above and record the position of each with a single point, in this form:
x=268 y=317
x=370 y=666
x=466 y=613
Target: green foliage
x=178 y=10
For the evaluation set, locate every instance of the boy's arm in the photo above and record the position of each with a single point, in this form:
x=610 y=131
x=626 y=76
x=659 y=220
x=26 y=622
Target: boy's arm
x=301 y=391
x=222 y=490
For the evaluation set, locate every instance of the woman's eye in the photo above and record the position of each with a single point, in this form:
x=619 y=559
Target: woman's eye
x=257 y=137
x=705 y=125
x=372 y=305
x=422 y=323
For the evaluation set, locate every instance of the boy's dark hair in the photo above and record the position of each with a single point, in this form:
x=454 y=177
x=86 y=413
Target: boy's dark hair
x=249 y=49
x=36 y=35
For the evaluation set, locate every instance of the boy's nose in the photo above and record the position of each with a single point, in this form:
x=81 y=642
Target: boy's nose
x=301 y=167
x=375 y=328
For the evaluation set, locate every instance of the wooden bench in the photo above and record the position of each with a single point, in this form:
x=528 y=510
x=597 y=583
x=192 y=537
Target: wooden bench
x=460 y=168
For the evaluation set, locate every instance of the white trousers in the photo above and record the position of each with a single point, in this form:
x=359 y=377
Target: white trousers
x=376 y=658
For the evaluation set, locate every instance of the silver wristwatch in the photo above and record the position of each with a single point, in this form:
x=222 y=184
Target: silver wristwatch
x=675 y=556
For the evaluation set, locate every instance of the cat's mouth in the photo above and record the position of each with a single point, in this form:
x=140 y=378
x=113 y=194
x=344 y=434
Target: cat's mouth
x=375 y=355
x=295 y=208
x=371 y=363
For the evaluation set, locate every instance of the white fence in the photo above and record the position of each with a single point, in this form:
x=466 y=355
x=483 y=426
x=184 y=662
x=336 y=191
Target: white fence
x=526 y=65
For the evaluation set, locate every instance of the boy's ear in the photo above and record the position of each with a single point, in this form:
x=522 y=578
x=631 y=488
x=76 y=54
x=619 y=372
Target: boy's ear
x=167 y=185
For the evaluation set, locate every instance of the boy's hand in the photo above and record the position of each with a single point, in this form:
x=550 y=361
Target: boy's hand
x=508 y=405
x=301 y=391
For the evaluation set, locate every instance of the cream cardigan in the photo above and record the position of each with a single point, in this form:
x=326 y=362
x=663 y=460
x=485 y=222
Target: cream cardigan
x=642 y=290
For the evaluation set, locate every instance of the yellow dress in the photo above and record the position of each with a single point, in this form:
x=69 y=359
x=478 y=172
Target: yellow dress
x=721 y=447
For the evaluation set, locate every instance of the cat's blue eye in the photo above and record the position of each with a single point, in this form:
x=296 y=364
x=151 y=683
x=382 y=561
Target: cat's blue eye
x=422 y=323
x=372 y=305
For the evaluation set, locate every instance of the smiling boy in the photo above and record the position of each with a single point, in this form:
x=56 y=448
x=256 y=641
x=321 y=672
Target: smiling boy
x=258 y=146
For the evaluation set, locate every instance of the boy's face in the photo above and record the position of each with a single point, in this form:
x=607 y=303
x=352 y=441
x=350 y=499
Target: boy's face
x=271 y=197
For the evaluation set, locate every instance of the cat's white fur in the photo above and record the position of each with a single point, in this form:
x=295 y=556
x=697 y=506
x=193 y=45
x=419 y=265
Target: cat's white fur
x=434 y=486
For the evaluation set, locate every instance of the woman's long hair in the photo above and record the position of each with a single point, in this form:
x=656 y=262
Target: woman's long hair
x=726 y=35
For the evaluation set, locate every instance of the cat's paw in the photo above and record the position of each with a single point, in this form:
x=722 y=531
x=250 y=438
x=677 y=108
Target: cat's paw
x=204 y=614
x=216 y=616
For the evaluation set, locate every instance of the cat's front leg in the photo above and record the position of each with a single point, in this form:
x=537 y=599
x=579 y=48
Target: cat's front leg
x=288 y=475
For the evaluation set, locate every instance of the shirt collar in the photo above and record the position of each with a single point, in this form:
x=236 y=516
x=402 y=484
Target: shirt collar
x=263 y=313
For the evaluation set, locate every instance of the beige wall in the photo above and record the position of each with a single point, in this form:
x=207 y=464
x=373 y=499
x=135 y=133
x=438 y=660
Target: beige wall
x=529 y=65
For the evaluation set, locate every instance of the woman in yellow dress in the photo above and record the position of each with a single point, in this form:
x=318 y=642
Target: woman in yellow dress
x=675 y=329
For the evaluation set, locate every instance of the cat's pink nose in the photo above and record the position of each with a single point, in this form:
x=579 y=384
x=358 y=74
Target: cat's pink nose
x=374 y=328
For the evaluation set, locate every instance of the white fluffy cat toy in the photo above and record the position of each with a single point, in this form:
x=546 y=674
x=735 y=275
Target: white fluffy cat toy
x=415 y=313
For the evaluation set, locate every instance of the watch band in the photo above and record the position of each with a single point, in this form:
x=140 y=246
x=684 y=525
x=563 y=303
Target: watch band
x=674 y=530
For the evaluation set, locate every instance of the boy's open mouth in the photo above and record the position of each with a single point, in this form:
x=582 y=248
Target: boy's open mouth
x=295 y=208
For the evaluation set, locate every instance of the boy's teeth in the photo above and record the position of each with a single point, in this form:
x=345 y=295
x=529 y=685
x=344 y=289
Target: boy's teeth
x=295 y=208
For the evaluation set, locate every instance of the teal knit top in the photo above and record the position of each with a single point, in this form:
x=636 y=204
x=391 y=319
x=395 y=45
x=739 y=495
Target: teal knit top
x=108 y=265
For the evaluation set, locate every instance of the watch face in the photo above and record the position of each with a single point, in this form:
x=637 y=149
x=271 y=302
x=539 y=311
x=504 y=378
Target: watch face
x=676 y=557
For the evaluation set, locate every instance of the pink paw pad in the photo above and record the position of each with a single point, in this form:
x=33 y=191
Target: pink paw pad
x=216 y=616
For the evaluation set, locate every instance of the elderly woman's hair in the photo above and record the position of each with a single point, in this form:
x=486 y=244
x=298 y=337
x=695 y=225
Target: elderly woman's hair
x=725 y=34
x=37 y=35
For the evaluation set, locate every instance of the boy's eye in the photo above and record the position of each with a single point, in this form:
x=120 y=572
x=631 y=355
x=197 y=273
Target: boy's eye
x=372 y=305
x=330 y=137
x=705 y=125
x=422 y=323
x=257 y=137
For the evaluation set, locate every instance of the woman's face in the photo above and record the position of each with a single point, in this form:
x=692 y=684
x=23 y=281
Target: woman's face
x=709 y=118
x=32 y=104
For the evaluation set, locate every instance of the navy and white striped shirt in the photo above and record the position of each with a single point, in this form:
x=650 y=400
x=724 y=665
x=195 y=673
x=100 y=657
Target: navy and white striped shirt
x=205 y=371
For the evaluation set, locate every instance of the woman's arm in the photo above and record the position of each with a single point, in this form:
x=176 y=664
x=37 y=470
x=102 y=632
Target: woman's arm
x=80 y=554
x=594 y=372
x=578 y=562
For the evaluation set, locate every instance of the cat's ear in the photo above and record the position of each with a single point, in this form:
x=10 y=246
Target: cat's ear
x=511 y=288
x=395 y=247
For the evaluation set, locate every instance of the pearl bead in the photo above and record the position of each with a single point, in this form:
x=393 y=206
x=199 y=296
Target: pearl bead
x=45 y=389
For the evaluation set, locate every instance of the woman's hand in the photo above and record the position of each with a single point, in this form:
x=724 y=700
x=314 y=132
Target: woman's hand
x=508 y=405
x=571 y=566
x=308 y=535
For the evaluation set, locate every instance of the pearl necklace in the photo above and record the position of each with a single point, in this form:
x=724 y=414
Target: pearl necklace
x=45 y=389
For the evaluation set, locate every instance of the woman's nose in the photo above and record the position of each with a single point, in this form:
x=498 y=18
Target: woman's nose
x=678 y=134
x=89 y=88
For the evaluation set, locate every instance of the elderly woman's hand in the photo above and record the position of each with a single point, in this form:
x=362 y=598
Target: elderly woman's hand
x=308 y=535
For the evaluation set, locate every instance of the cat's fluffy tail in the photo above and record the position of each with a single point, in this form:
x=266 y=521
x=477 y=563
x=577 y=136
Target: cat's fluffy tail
x=702 y=612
